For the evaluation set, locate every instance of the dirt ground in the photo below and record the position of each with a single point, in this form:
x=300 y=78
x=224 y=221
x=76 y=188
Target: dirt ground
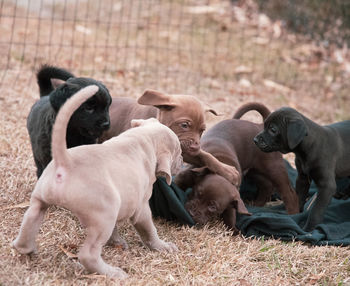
x=285 y=70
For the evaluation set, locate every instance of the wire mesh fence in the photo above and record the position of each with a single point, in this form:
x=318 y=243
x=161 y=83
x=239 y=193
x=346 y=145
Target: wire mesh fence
x=190 y=46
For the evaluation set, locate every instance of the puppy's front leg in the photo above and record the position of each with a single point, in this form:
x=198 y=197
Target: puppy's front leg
x=287 y=193
x=302 y=189
x=230 y=173
x=264 y=187
x=302 y=186
x=326 y=189
x=148 y=233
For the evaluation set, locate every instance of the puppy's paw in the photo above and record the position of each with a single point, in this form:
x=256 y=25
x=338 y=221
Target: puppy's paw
x=163 y=246
x=231 y=174
x=171 y=247
x=116 y=272
x=24 y=248
x=118 y=243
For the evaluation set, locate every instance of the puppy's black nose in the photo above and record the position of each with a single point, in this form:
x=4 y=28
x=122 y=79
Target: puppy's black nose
x=105 y=125
x=256 y=140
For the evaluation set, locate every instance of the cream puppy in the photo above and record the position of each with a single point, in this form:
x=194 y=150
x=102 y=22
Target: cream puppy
x=103 y=184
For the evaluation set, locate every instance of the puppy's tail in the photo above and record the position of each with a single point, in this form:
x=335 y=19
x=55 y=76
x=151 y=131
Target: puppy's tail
x=259 y=107
x=59 y=144
x=46 y=73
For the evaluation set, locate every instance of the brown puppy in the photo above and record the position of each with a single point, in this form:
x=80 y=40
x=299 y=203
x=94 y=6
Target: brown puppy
x=231 y=141
x=103 y=184
x=184 y=114
x=212 y=197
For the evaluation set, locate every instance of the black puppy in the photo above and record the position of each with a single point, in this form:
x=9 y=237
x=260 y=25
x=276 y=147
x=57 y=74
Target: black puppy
x=322 y=153
x=85 y=126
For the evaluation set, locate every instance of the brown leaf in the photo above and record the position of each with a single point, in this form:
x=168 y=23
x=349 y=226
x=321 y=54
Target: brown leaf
x=82 y=29
x=276 y=86
x=261 y=41
x=277 y=29
x=244 y=83
x=68 y=253
x=118 y=246
x=239 y=14
x=315 y=278
x=243 y=69
x=205 y=9
x=244 y=282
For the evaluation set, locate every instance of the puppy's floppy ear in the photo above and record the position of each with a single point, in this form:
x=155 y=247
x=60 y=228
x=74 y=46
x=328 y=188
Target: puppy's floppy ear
x=185 y=179
x=157 y=99
x=59 y=96
x=200 y=172
x=208 y=108
x=296 y=131
x=163 y=168
x=212 y=206
x=213 y=111
x=56 y=82
x=139 y=122
x=188 y=177
x=237 y=203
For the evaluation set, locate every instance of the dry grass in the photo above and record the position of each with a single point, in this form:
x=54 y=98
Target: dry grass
x=207 y=256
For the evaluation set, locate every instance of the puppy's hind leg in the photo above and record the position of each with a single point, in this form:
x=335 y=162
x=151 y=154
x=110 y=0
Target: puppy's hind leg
x=117 y=240
x=148 y=233
x=98 y=233
x=276 y=172
x=33 y=217
x=286 y=192
x=264 y=188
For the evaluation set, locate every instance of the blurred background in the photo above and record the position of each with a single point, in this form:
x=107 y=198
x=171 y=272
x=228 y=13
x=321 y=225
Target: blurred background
x=282 y=52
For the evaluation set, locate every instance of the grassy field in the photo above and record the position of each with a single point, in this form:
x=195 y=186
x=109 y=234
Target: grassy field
x=225 y=59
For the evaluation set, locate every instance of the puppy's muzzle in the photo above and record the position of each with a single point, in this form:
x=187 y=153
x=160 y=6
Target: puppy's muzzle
x=105 y=125
x=259 y=141
x=193 y=209
x=191 y=147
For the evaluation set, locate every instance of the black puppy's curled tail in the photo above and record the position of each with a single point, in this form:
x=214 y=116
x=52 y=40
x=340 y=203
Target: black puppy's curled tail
x=59 y=144
x=259 y=107
x=46 y=73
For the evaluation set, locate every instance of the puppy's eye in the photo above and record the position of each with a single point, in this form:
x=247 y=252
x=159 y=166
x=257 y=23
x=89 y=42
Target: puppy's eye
x=212 y=207
x=89 y=107
x=273 y=130
x=184 y=125
x=199 y=192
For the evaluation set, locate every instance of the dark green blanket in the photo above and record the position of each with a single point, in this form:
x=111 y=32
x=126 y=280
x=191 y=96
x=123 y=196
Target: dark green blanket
x=168 y=202
x=274 y=222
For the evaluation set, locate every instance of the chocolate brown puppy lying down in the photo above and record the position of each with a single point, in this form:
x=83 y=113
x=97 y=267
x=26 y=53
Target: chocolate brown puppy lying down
x=184 y=114
x=103 y=184
x=231 y=141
